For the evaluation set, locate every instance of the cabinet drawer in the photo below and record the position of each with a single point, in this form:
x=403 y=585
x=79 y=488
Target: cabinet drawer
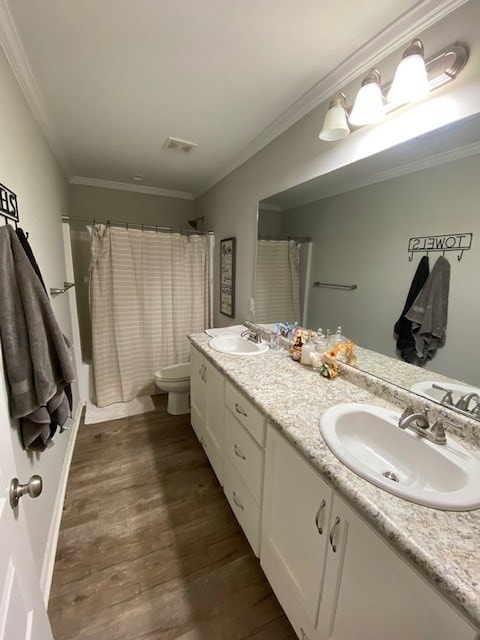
x=243 y=505
x=245 y=454
x=248 y=415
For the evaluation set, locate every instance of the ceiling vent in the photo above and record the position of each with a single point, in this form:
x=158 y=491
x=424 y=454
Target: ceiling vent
x=174 y=144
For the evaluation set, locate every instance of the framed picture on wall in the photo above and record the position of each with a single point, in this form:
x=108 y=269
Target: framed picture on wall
x=227 y=277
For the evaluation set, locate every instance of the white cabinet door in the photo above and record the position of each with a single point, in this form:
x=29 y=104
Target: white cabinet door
x=207 y=400
x=371 y=593
x=295 y=523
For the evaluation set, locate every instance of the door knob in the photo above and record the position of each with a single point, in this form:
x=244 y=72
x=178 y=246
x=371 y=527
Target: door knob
x=33 y=488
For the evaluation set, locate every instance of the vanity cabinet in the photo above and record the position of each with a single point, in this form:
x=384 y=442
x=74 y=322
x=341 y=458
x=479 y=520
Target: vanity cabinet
x=207 y=400
x=335 y=577
x=244 y=462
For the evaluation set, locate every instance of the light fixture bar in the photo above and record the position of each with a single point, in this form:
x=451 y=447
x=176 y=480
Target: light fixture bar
x=441 y=69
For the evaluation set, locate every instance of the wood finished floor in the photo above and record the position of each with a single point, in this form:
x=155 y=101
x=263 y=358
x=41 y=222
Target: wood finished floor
x=149 y=547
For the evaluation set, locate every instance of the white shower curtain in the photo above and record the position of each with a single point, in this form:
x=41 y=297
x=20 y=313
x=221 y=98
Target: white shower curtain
x=148 y=290
x=277 y=281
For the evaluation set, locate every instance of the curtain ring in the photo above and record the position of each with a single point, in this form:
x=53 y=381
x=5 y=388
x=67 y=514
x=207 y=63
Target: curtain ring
x=143 y=228
x=108 y=223
x=126 y=226
x=93 y=223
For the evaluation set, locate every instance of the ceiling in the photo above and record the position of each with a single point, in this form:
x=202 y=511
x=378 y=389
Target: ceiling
x=110 y=80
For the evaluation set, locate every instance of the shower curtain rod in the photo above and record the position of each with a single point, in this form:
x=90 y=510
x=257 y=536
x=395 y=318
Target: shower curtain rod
x=278 y=238
x=136 y=225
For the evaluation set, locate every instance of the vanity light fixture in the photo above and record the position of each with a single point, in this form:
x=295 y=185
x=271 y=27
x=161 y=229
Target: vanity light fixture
x=369 y=106
x=335 y=126
x=415 y=77
x=411 y=81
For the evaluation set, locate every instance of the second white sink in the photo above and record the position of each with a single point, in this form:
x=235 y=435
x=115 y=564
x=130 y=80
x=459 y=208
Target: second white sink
x=368 y=440
x=237 y=346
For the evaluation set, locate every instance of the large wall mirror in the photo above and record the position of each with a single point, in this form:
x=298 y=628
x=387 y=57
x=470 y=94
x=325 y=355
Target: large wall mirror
x=353 y=226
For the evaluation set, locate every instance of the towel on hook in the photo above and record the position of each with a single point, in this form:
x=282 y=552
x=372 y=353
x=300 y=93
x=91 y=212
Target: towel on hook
x=403 y=326
x=37 y=355
x=429 y=311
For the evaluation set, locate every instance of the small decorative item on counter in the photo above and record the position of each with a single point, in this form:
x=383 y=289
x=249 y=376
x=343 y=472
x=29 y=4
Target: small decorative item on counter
x=336 y=338
x=296 y=350
x=308 y=348
x=275 y=339
x=345 y=353
x=329 y=368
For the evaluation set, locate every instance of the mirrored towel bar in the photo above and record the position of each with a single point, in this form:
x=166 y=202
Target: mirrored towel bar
x=346 y=287
x=66 y=286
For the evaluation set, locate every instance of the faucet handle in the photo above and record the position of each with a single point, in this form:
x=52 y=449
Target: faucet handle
x=448 y=397
x=438 y=433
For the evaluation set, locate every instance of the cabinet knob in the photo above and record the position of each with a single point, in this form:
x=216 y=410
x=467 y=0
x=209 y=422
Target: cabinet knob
x=238 y=452
x=317 y=517
x=332 y=534
x=237 y=501
x=239 y=410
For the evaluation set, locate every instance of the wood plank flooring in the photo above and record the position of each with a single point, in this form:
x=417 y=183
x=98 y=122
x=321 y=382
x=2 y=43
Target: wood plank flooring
x=149 y=548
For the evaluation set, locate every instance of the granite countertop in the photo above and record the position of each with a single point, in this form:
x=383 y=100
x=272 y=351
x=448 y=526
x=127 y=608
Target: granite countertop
x=442 y=545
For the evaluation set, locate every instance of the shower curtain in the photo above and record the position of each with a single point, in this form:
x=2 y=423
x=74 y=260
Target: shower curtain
x=147 y=291
x=277 y=281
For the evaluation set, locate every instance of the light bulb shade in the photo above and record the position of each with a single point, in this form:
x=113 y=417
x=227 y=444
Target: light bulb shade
x=368 y=107
x=335 y=126
x=410 y=82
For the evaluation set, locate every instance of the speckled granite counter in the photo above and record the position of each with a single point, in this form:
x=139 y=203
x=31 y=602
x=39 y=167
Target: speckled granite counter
x=444 y=546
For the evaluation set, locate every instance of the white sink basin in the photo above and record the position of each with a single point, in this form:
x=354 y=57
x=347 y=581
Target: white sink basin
x=368 y=440
x=427 y=390
x=237 y=346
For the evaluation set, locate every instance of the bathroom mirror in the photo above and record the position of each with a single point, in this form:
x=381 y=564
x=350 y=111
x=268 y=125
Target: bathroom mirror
x=360 y=220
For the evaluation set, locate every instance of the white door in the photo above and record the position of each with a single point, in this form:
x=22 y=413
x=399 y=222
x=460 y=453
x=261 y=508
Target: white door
x=22 y=610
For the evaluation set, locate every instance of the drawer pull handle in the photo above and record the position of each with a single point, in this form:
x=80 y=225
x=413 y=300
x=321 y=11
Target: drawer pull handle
x=237 y=501
x=332 y=534
x=317 y=517
x=238 y=452
x=240 y=411
x=204 y=374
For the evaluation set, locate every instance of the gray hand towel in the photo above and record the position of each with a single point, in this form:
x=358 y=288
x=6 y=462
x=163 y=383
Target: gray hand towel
x=429 y=311
x=37 y=355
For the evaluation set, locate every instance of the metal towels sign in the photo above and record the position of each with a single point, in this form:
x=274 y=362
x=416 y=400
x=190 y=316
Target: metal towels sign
x=8 y=203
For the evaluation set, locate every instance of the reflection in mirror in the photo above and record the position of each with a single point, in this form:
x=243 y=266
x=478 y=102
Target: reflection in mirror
x=360 y=219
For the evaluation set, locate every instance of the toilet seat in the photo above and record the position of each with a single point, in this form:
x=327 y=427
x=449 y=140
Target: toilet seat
x=179 y=372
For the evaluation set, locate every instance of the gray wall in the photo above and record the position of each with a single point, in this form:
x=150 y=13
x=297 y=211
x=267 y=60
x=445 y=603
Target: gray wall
x=116 y=206
x=297 y=155
x=28 y=167
x=362 y=236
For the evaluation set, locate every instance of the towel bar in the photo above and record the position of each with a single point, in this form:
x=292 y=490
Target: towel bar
x=66 y=286
x=347 y=287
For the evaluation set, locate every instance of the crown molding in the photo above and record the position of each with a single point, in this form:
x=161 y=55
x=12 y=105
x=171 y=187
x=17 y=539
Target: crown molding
x=420 y=17
x=12 y=47
x=125 y=186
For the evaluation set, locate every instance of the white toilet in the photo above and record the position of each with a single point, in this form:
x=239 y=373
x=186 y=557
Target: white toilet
x=175 y=379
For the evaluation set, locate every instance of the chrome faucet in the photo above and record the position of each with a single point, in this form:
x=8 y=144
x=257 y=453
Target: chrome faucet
x=251 y=335
x=464 y=401
x=420 y=424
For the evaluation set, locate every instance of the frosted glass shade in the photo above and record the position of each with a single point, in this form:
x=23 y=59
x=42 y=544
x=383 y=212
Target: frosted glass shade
x=368 y=107
x=335 y=126
x=410 y=82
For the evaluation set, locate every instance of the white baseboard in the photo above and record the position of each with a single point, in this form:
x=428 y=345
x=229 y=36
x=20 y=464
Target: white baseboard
x=51 y=550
